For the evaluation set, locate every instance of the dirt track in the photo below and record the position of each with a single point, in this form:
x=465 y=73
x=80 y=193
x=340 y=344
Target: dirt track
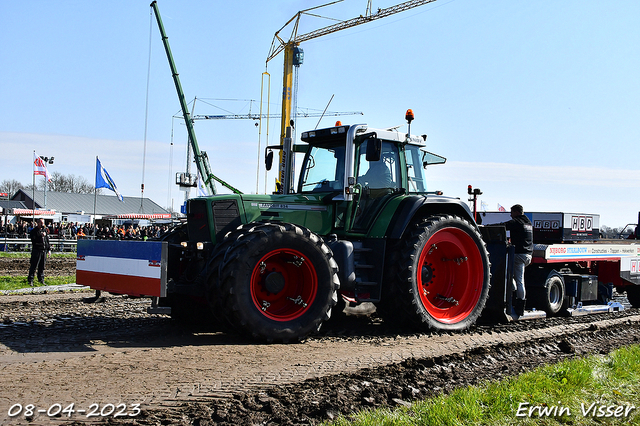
x=56 y=349
x=20 y=266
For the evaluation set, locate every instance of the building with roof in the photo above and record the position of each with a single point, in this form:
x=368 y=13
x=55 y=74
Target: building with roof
x=68 y=206
x=7 y=206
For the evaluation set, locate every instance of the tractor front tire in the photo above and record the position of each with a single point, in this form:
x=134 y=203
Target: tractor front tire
x=279 y=282
x=442 y=276
x=215 y=298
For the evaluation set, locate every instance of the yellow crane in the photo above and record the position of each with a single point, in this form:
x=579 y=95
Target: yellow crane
x=293 y=56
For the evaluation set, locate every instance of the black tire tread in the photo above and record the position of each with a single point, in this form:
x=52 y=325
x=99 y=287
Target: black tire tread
x=228 y=269
x=399 y=305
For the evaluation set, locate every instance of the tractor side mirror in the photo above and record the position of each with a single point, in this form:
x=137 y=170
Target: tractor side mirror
x=374 y=149
x=429 y=158
x=268 y=160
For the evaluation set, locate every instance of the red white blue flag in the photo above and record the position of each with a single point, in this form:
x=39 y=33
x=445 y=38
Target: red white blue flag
x=40 y=167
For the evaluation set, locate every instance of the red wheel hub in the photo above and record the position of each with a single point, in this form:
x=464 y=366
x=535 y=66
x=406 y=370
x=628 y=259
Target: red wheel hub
x=450 y=275
x=284 y=284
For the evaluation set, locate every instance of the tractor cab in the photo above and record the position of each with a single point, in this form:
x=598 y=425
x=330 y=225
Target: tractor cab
x=348 y=158
x=362 y=169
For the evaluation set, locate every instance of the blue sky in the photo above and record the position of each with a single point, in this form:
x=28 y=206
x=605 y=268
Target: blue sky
x=533 y=102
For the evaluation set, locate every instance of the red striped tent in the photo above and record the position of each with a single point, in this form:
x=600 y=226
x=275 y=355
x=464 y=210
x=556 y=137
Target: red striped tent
x=139 y=216
x=29 y=212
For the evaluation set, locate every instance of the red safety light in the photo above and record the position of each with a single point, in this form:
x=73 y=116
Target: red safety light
x=409 y=116
x=338 y=123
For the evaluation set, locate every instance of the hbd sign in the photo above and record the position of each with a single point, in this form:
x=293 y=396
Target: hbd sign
x=582 y=223
x=546 y=224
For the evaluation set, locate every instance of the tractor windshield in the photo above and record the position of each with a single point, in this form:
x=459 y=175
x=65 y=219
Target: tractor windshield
x=323 y=169
x=383 y=173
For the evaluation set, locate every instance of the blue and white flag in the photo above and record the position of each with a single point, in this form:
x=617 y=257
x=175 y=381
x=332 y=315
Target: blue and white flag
x=103 y=180
x=202 y=192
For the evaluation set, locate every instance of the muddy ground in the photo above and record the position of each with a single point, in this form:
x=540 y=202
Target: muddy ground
x=56 y=348
x=20 y=266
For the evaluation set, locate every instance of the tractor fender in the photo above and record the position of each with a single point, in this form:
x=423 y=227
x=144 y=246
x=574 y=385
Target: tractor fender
x=417 y=206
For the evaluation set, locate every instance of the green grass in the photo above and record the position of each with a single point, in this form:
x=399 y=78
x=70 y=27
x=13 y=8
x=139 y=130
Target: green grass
x=27 y=255
x=16 y=283
x=568 y=388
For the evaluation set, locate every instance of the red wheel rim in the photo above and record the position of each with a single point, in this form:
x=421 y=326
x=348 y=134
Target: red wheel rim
x=284 y=284
x=450 y=275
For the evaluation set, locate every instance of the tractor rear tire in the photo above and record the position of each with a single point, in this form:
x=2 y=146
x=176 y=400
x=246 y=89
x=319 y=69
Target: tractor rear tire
x=442 y=276
x=278 y=282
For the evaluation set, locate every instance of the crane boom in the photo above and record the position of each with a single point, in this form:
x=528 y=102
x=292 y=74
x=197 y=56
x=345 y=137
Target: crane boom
x=264 y=116
x=294 y=55
x=382 y=13
x=202 y=161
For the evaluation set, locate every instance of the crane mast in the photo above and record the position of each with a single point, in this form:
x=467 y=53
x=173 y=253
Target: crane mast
x=293 y=56
x=201 y=159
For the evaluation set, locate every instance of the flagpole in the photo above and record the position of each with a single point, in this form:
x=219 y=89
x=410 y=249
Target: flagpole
x=95 y=200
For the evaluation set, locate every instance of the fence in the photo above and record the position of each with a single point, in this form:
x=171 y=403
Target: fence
x=24 y=244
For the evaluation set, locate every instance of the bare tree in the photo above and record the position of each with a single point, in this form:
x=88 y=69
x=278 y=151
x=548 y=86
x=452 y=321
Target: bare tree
x=10 y=186
x=81 y=185
x=58 y=183
x=70 y=183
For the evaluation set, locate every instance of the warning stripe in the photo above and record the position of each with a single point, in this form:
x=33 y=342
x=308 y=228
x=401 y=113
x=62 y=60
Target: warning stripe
x=121 y=284
x=123 y=267
x=119 y=266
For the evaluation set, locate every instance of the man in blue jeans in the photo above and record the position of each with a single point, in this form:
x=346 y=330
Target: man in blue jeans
x=522 y=239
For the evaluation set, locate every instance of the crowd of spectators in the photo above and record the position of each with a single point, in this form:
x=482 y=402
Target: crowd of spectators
x=73 y=231
x=125 y=232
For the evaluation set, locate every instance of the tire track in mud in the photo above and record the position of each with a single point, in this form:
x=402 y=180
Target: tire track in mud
x=56 y=349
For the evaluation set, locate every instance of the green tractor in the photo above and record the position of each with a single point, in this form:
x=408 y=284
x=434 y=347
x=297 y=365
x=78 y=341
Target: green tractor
x=361 y=227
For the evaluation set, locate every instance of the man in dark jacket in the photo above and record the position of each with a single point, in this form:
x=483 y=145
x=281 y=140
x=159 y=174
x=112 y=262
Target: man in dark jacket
x=39 y=248
x=522 y=239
